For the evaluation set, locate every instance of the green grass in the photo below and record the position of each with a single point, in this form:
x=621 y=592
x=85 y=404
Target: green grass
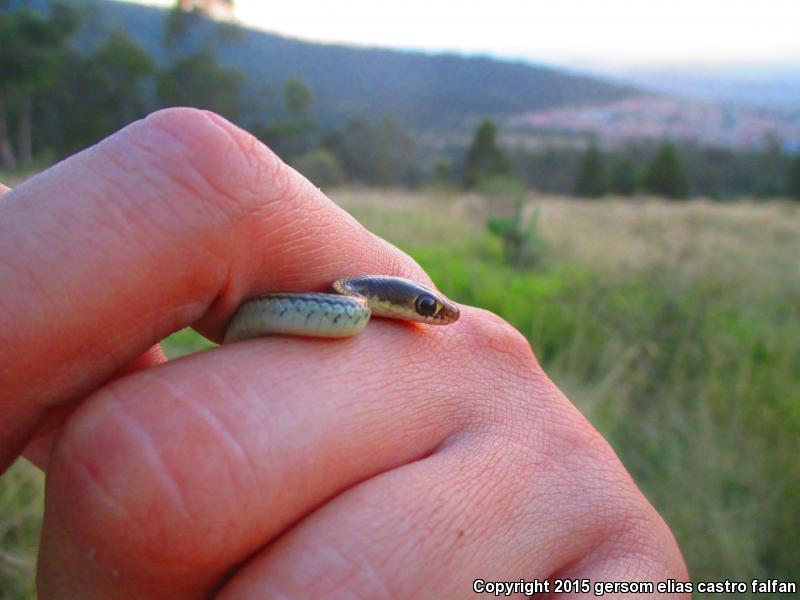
x=674 y=327
x=21 y=505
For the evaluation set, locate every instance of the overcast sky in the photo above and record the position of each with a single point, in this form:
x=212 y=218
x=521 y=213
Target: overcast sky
x=603 y=34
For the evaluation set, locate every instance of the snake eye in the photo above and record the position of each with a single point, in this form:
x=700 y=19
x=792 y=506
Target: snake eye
x=426 y=305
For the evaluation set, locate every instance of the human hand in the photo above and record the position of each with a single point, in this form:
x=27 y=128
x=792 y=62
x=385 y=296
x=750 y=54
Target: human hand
x=404 y=462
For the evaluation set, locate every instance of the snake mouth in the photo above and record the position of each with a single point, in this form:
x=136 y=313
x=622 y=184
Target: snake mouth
x=448 y=314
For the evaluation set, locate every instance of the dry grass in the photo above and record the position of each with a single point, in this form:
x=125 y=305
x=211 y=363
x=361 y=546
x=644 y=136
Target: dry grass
x=632 y=233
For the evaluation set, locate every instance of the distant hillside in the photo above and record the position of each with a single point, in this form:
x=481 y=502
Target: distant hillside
x=423 y=90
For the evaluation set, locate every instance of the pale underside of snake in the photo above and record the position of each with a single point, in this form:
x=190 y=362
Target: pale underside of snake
x=342 y=313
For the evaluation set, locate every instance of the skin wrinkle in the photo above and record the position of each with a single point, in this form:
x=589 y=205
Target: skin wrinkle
x=271 y=170
x=426 y=415
x=169 y=480
x=267 y=165
x=485 y=409
x=508 y=473
x=618 y=547
x=548 y=523
x=497 y=336
x=172 y=219
x=151 y=324
x=124 y=202
x=502 y=520
x=223 y=430
x=72 y=459
x=137 y=521
x=292 y=238
x=499 y=415
x=249 y=388
x=123 y=235
x=592 y=512
x=441 y=494
x=361 y=571
x=199 y=182
x=323 y=230
x=332 y=498
x=20 y=272
x=646 y=549
x=446 y=517
x=316 y=229
x=394 y=473
x=153 y=555
x=361 y=579
x=289 y=191
x=177 y=569
x=138 y=199
x=441 y=407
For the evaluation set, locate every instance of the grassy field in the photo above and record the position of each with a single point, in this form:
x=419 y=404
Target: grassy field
x=675 y=327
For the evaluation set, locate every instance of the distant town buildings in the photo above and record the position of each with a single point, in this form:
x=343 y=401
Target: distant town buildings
x=658 y=117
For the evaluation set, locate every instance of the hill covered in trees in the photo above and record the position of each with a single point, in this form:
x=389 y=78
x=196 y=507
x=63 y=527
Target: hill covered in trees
x=421 y=90
x=69 y=77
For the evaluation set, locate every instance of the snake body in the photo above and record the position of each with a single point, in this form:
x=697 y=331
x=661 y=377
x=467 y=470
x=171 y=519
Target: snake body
x=342 y=313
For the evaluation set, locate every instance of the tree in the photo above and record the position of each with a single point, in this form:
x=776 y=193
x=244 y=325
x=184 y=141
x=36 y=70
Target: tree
x=119 y=67
x=320 y=167
x=396 y=161
x=592 y=179
x=297 y=99
x=357 y=148
x=185 y=14
x=209 y=7
x=114 y=84
x=484 y=158
x=381 y=153
x=32 y=49
x=624 y=180
x=295 y=133
x=10 y=73
x=665 y=175
x=793 y=179
x=177 y=25
x=199 y=80
x=442 y=170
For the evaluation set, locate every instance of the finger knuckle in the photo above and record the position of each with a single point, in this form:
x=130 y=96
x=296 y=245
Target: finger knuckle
x=215 y=162
x=499 y=339
x=498 y=371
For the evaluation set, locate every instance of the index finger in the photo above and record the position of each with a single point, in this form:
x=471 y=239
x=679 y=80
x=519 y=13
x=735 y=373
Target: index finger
x=171 y=221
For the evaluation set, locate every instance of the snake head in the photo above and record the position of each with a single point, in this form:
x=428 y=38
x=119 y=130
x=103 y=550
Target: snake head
x=399 y=298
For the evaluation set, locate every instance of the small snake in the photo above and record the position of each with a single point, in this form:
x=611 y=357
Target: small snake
x=340 y=314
